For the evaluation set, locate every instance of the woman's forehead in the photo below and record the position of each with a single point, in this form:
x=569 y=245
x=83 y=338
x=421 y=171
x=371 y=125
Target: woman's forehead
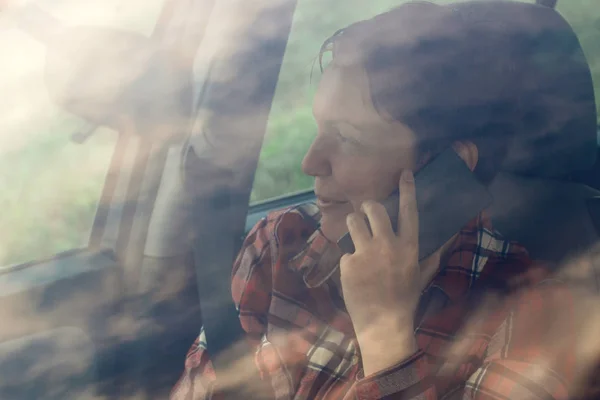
x=343 y=95
x=343 y=98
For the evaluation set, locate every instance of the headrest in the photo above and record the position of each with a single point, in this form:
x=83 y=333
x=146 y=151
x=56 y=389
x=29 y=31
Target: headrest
x=559 y=134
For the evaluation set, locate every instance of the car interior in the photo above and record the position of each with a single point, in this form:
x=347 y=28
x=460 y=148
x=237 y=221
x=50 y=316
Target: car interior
x=191 y=103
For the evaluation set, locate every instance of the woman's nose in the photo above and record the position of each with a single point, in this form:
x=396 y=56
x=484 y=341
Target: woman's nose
x=316 y=160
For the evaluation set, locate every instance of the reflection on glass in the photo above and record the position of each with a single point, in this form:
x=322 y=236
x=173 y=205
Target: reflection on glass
x=51 y=185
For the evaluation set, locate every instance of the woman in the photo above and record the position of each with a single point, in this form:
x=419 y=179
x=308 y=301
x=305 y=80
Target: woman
x=378 y=323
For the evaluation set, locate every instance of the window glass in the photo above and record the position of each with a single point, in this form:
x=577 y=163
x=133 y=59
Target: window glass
x=291 y=127
x=583 y=17
x=49 y=185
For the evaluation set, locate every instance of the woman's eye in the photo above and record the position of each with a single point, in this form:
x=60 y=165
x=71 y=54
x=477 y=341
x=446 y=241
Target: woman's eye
x=346 y=139
x=343 y=138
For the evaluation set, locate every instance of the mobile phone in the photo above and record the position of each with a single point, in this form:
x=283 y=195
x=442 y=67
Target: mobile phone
x=448 y=196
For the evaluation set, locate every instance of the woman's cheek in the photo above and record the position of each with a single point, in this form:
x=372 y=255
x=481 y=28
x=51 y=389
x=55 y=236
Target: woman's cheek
x=362 y=185
x=354 y=175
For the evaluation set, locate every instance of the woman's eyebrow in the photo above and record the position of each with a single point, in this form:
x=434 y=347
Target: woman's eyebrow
x=367 y=130
x=357 y=127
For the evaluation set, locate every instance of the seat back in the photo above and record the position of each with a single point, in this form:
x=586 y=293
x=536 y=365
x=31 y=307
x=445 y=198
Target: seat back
x=551 y=218
x=535 y=200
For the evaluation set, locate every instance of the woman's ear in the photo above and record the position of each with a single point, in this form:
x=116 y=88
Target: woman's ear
x=468 y=152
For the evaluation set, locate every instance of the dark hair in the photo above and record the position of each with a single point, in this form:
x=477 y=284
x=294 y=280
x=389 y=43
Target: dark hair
x=447 y=74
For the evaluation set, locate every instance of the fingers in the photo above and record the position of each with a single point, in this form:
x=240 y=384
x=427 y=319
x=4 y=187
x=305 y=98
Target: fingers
x=408 y=217
x=379 y=224
x=359 y=231
x=379 y=219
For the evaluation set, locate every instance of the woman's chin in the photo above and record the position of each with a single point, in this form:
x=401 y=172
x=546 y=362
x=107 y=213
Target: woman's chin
x=333 y=220
x=333 y=228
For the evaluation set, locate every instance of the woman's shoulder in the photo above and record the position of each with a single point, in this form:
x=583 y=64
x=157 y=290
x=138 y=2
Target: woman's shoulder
x=280 y=232
x=288 y=225
x=285 y=230
x=505 y=264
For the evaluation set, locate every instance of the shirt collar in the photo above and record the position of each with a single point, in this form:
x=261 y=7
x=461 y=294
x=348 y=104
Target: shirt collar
x=459 y=271
x=319 y=258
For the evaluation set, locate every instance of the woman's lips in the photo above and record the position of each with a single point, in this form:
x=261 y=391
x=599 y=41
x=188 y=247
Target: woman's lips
x=328 y=203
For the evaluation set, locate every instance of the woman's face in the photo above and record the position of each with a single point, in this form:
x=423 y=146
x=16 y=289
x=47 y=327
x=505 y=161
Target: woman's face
x=357 y=155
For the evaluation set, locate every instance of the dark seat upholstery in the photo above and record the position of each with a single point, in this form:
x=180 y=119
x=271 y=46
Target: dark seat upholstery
x=535 y=200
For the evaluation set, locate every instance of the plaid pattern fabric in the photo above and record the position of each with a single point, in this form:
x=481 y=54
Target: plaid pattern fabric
x=484 y=338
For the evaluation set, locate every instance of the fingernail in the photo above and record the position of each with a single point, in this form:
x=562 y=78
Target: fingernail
x=407 y=175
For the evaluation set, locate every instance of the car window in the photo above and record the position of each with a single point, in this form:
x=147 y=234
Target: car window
x=50 y=184
x=582 y=15
x=291 y=127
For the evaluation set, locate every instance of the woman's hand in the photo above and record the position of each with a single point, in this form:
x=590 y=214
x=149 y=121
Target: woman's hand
x=381 y=280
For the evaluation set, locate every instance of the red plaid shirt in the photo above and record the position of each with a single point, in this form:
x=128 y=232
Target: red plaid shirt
x=281 y=285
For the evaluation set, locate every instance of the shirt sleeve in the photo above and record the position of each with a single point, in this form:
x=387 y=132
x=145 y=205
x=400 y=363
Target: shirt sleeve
x=251 y=287
x=198 y=378
x=529 y=357
x=411 y=379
